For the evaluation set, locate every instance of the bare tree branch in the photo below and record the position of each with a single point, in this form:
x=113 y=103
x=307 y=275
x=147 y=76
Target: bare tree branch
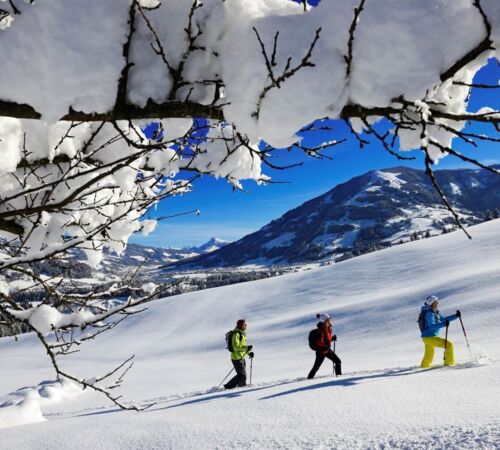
x=288 y=71
x=352 y=30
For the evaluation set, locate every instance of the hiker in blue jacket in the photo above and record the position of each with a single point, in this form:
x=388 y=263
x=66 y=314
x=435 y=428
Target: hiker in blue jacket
x=432 y=324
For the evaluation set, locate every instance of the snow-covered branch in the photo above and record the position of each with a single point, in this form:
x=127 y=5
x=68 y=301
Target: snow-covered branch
x=78 y=170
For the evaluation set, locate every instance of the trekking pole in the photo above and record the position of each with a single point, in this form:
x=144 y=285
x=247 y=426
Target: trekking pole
x=334 y=342
x=251 y=368
x=335 y=365
x=465 y=335
x=445 y=341
x=229 y=373
x=224 y=379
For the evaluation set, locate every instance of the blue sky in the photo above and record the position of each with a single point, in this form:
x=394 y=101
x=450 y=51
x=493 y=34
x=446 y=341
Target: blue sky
x=230 y=215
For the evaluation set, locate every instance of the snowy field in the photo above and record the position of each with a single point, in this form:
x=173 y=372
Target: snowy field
x=383 y=400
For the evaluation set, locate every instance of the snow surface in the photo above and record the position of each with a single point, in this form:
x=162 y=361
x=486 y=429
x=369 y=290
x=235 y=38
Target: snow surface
x=46 y=318
x=382 y=401
x=391 y=178
x=388 y=178
x=211 y=249
x=284 y=240
x=23 y=405
x=68 y=63
x=422 y=219
x=332 y=241
x=455 y=189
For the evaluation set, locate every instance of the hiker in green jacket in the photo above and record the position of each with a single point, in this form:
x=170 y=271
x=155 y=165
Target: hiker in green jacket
x=240 y=350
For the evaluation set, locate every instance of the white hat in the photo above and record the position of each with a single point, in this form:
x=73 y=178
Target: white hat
x=431 y=299
x=323 y=317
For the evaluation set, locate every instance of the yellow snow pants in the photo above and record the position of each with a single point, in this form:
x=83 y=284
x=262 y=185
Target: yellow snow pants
x=430 y=344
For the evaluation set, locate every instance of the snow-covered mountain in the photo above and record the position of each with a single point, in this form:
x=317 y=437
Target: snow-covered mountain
x=135 y=255
x=135 y=269
x=155 y=256
x=382 y=400
x=137 y=266
x=368 y=212
x=210 y=246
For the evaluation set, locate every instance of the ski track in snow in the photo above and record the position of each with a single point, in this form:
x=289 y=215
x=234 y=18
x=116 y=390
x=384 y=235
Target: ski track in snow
x=345 y=379
x=350 y=378
x=157 y=429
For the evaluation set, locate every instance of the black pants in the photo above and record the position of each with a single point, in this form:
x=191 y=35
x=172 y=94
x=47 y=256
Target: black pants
x=240 y=379
x=320 y=357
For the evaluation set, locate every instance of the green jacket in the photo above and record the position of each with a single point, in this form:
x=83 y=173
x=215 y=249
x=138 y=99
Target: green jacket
x=240 y=346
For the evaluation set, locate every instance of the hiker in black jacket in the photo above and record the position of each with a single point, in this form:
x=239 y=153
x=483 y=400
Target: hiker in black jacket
x=320 y=340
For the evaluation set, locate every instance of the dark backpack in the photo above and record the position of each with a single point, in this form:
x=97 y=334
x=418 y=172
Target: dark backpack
x=229 y=340
x=421 y=320
x=314 y=336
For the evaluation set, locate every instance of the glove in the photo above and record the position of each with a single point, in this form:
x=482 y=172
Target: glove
x=334 y=337
x=249 y=348
x=459 y=314
x=251 y=354
x=447 y=323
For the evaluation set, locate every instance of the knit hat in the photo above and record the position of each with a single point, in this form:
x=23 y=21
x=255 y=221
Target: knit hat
x=431 y=299
x=323 y=317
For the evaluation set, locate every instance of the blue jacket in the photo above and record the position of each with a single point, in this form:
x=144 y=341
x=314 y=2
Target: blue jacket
x=434 y=321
